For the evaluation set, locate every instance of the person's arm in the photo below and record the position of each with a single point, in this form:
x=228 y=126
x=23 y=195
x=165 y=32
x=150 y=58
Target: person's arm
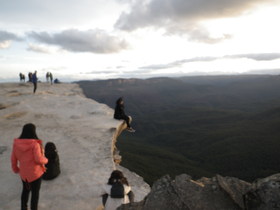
x=38 y=155
x=14 y=161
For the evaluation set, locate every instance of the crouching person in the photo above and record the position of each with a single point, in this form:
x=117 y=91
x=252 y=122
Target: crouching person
x=53 y=166
x=117 y=191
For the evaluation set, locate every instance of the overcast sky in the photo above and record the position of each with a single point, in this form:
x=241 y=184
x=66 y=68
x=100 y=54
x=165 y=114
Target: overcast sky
x=97 y=39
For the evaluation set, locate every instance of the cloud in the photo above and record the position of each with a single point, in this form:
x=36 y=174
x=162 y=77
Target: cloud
x=5 y=44
x=94 y=41
x=38 y=48
x=183 y=16
x=265 y=71
x=179 y=63
x=257 y=56
x=6 y=38
x=253 y=56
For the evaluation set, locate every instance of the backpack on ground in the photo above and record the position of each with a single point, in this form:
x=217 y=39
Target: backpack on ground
x=117 y=190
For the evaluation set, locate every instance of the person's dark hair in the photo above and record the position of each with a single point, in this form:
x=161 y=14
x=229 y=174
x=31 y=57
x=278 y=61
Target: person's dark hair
x=117 y=175
x=119 y=100
x=29 y=132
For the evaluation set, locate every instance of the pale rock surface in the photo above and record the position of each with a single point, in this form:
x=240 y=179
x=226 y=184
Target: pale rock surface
x=84 y=132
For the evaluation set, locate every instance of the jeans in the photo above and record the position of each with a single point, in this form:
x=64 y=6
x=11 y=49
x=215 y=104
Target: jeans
x=34 y=187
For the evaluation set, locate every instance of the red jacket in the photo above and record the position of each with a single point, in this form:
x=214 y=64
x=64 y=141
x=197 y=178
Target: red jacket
x=30 y=155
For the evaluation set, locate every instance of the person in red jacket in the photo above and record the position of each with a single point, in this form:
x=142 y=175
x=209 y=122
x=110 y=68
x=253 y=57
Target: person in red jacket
x=28 y=160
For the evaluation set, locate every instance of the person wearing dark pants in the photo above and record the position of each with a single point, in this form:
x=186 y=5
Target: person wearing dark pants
x=34 y=81
x=34 y=187
x=120 y=114
x=29 y=161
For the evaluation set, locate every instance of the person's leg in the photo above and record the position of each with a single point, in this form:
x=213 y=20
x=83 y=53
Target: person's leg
x=128 y=121
x=35 y=190
x=126 y=118
x=35 y=87
x=25 y=195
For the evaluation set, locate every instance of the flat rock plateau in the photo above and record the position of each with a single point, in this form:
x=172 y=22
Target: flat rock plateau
x=84 y=132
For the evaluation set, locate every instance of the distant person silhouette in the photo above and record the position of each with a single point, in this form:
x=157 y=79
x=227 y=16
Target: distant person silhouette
x=29 y=77
x=21 y=77
x=47 y=76
x=120 y=114
x=28 y=160
x=51 y=77
x=117 y=191
x=34 y=81
x=53 y=166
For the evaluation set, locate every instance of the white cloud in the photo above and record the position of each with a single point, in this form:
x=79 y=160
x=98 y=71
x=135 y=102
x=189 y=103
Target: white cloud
x=38 y=48
x=184 y=16
x=5 y=44
x=94 y=41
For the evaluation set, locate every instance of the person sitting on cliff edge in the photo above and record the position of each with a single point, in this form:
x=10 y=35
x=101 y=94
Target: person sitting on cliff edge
x=117 y=191
x=120 y=114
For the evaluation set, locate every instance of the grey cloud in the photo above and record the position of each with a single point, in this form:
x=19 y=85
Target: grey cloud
x=6 y=38
x=200 y=34
x=160 y=12
x=257 y=56
x=179 y=63
x=183 y=16
x=95 y=41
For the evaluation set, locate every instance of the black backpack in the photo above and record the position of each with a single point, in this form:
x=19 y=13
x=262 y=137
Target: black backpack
x=117 y=190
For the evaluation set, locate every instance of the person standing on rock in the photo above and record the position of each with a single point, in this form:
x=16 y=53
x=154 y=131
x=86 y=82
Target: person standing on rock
x=34 y=81
x=120 y=114
x=47 y=76
x=28 y=160
x=51 y=77
x=117 y=191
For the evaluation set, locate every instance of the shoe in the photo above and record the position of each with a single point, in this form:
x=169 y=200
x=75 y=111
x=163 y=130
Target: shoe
x=130 y=130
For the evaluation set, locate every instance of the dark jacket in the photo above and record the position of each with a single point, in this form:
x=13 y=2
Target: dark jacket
x=53 y=166
x=34 y=78
x=119 y=110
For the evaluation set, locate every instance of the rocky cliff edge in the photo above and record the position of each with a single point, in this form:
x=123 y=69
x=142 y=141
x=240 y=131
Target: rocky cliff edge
x=84 y=132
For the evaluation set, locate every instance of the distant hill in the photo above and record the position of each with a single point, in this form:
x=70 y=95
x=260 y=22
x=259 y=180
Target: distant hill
x=198 y=125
